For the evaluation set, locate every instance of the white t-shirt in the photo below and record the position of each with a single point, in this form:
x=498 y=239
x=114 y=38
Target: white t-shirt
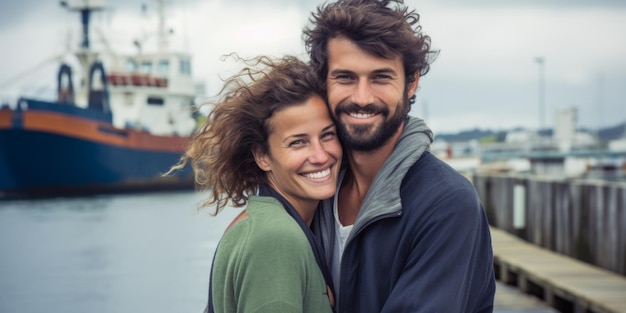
x=342 y=232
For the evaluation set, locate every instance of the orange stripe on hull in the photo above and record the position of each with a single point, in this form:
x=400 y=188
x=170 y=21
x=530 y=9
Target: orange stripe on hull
x=100 y=132
x=5 y=119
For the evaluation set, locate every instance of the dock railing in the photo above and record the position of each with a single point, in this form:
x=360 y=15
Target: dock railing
x=582 y=219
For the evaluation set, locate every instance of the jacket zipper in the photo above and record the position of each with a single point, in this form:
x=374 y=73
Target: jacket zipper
x=358 y=231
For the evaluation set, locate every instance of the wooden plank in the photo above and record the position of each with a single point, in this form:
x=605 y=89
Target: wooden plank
x=562 y=280
x=510 y=300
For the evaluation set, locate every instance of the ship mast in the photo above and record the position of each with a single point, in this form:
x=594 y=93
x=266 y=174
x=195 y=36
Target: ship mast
x=85 y=7
x=162 y=43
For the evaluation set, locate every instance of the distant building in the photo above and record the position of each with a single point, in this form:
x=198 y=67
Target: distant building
x=521 y=136
x=565 y=127
x=563 y=151
x=566 y=136
x=618 y=145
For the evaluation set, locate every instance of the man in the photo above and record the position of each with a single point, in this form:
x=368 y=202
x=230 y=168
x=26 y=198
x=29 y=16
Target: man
x=405 y=232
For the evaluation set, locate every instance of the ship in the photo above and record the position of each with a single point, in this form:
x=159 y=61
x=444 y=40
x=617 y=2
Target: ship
x=117 y=124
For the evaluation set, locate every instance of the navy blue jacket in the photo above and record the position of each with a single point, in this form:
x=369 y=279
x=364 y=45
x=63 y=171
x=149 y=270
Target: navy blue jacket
x=421 y=241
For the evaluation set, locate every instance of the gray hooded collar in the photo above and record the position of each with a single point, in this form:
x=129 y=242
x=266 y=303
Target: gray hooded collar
x=383 y=196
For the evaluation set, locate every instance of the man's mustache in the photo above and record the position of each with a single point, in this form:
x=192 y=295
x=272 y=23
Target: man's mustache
x=367 y=109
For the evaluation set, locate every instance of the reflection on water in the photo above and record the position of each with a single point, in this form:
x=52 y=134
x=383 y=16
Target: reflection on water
x=124 y=253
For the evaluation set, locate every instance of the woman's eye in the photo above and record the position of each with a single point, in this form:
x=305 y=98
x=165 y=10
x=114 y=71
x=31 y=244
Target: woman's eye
x=296 y=142
x=329 y=135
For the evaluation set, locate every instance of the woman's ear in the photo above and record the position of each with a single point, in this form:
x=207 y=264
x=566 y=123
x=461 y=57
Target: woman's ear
x=260 y=158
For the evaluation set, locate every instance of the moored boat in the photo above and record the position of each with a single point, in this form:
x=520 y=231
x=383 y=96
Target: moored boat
x=116 y=128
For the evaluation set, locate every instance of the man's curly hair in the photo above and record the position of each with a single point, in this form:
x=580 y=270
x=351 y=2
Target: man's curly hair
x=384 y=28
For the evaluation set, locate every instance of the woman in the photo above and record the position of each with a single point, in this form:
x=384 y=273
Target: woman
x=269 y=144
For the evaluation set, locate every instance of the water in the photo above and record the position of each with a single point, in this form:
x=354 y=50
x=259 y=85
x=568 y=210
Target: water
x=122 y=253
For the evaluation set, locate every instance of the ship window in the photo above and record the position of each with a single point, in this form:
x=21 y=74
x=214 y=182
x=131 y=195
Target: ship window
x=131 y=66
x=185 y=67
x=164 y=68
x=146 y=67
x=155 y=101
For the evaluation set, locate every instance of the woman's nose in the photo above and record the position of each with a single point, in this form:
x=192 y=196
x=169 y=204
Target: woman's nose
x=318 y=153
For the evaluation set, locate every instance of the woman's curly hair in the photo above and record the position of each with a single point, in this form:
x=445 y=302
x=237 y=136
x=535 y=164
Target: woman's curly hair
x=220 y=153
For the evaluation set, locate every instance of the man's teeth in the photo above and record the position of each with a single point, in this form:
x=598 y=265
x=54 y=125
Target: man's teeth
x=361 y=115
x=318 y=175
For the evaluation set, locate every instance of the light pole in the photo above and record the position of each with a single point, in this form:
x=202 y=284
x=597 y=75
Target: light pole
x=540 y=62
x=600 y=101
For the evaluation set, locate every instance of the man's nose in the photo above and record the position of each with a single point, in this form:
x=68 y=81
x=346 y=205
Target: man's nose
x=363 y=93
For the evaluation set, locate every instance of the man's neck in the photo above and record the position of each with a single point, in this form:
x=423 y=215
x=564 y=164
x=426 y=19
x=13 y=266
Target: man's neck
x=364 y=167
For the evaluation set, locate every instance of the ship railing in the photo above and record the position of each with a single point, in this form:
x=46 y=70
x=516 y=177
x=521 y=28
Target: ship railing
x=137 y=80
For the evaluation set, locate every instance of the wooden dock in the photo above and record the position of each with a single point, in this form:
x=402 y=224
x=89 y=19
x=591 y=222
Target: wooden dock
x=561 y=282
x=509 y=299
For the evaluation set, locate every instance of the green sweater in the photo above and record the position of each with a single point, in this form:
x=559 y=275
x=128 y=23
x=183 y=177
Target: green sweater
x=264 y=263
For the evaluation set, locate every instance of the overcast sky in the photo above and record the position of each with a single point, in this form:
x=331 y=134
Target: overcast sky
x=485 y=76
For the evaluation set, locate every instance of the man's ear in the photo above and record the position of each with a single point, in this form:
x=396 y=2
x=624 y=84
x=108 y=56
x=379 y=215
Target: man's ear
x=260 y=158
x=412 y=87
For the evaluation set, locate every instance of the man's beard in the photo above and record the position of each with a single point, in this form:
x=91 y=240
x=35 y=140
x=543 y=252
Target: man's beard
x=363 y=137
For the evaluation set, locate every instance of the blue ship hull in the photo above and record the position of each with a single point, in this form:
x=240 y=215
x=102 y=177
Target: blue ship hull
x=6 y=179
x=82 y=155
